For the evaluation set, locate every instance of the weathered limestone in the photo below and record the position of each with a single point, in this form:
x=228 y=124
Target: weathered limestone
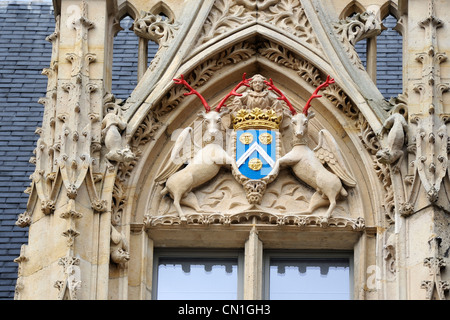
x=110 y=183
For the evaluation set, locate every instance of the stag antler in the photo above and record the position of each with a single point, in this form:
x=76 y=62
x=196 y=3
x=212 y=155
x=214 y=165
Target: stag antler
x=281 y=95
x=316 y=95
x=244 y=82
x=192 y=91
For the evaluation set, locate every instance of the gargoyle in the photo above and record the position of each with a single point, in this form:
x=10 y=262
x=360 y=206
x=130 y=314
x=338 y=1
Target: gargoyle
x=113 y=125
x=393 y=152
x=118 y=247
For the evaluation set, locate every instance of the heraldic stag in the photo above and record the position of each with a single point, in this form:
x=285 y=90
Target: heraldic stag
x=205 y=163
x=308 y=165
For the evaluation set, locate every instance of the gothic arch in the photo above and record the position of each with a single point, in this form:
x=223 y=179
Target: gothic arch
x=162 y=8
x=94 y=206
x=297 y=90
x=126 y=8
x=353 y=7
x=247 y=36
x=213 y=71
x=389 y=8
x=252 y=61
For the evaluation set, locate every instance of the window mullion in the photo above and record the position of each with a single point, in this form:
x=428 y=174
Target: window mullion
x=253 y=267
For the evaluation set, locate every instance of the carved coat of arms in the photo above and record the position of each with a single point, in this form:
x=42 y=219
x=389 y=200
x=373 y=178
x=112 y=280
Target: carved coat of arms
x=254 y=156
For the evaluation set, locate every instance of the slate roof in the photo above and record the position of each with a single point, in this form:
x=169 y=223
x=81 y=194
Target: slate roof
x=24 y=52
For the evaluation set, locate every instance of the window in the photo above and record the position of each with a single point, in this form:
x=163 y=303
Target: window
x=197 y=275
x=301 y=276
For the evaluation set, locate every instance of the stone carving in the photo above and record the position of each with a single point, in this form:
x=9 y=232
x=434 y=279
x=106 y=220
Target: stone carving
x=20 y=260
x=353 y=29
x=310 y=73
x=431 y=152
x=24 y=219
x=257 y=115
x=257 y=97
x=63 y=154
x=256 y=154
x=205 y=164
x=118 y=247
x=299 y=221
x=431 y=137
x=156 y=28
x=68 y=149
x=308 y=165
x=390 y=254
x=201 y=74
x=159 y=29
x=69 y=287
x=396 y=126
x=435 y=264
x=229 y=15
x=113 y=124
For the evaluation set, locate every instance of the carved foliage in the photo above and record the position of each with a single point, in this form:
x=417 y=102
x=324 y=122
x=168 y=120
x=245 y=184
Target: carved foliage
x=288 y=15
x=435 y=264
x=70 y=286
x=65 y=152
x=355 y=28
x=157 y=28
x=308 y=72
x=203 y=73
x=431 y=136
x=309 y=221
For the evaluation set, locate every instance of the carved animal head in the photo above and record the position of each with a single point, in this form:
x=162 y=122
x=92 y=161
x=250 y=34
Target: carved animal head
x=212 y=125
x=300 y=123
x=212 y=118
x=126 y=155
x=384 y=156
x=300 y=120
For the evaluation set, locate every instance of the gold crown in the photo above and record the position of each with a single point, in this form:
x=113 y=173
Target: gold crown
x=256 y=119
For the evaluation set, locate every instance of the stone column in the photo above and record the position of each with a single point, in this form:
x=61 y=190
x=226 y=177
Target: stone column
x=423 y=227
x=253 y=265
x=68 y=252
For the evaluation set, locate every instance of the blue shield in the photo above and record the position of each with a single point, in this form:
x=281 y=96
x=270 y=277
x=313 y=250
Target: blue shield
x=255 y=152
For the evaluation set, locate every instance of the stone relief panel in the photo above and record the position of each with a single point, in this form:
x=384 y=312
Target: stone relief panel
x=199 y=186
x=227 y=16
x=287 y=195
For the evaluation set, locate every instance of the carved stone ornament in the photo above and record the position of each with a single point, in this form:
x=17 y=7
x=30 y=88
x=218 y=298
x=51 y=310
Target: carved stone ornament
x=113 y=125
x=396 y=126
x=435 y=264
x=159 y=29
x=255 y=160
x=118 y=247
x=353 y=29
x=69 y=287
x=300 y=221
x=227 y=16
x=431 y=135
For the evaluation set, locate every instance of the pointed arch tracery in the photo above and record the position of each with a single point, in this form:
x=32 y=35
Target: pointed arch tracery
x=296 y=69
x=216 y=73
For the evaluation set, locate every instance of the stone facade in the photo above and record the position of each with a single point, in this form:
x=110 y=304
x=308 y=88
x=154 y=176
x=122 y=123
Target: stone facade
x=368 y=175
